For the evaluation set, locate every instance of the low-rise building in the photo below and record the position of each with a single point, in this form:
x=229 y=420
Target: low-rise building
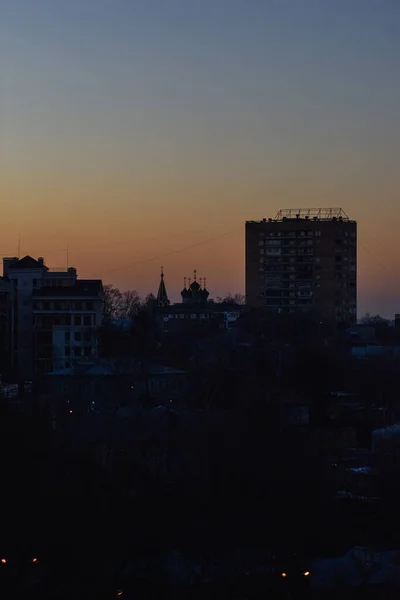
x=106 y=385
x=54 y=316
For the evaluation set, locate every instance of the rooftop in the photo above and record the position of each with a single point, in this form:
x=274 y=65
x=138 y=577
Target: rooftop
x=108 y=367
x=27 y=262
x=307 y=214
x=88 y=288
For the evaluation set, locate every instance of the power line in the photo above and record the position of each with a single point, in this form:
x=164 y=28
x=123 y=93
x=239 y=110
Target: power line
x=378 y=262
x=123 y=243
x=183 y=249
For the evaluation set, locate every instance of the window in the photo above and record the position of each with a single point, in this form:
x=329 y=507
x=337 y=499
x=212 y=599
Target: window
x=77 y=336
x=67 y=351
x=87 y=351
x=77 y=351
x=78 y=305
x=87 y=321
x=78 y=320
x=67 y=336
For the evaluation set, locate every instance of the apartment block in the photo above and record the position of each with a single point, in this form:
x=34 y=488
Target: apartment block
x=304 y=260
x=54 y=316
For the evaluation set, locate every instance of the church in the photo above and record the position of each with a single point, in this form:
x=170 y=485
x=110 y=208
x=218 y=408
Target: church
x=196 y=313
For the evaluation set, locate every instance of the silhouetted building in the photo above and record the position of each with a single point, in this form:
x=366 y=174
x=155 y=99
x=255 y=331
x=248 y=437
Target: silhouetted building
x=106 y=385
x=196 y=313
x=303 y=260
x=5 y=325
x=54 y=316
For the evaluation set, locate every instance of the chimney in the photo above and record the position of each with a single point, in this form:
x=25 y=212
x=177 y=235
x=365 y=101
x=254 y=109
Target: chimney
x=41 y=261
x=8 y=263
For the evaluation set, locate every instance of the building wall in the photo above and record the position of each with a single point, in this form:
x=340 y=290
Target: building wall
x=302 y=264
x=71 y=343
x=197 y=318
x=23 y=282
x=6 y=327
x=65 y=331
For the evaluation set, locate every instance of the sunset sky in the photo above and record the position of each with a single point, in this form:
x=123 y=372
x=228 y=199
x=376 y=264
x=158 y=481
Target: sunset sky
x=133 y=130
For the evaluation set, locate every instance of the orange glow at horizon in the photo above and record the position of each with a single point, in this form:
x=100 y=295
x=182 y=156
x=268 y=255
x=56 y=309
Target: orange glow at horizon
x=125 y=243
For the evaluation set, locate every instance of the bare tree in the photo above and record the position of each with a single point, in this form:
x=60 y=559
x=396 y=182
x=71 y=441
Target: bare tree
x=238 y=299
x=130 y=305
x=112 y=302
x=373 y=320
x=150 y=300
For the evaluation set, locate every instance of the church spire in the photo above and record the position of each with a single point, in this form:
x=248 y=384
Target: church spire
x=162 y=296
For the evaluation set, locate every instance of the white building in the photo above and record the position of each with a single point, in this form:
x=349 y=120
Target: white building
x=55 y=316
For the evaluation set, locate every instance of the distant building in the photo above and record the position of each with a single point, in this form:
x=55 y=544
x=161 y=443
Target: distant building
x=196 y=313
x=53 y=315
x=6 y=328
x=303 y=261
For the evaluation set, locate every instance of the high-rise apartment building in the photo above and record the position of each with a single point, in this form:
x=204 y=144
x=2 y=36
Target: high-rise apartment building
x=303 y=260
x=53 y=316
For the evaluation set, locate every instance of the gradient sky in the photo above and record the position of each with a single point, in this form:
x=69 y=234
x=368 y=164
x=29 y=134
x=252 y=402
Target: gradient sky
x=140 y=129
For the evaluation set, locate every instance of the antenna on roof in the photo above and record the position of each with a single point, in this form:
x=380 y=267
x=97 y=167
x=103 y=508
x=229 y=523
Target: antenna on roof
x=19 y=247
x=67 y=257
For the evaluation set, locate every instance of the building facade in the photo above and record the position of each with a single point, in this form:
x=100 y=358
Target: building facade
x=303 y=260
x=54 y=316
x=5 y=325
